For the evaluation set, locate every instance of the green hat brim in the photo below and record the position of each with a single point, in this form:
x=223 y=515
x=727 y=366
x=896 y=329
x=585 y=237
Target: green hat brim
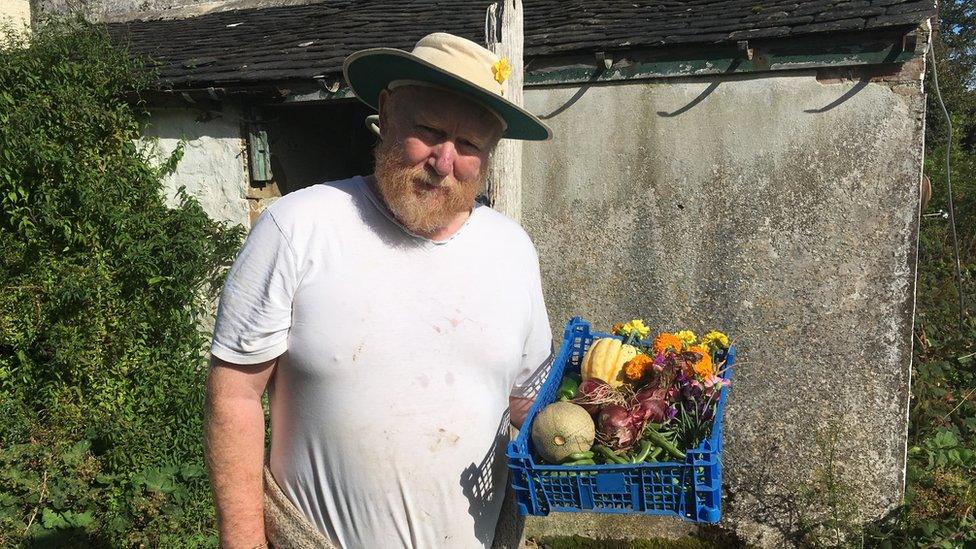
x=368 y=72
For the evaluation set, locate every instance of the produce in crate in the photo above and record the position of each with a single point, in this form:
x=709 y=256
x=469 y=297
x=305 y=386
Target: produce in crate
x=672 y=466
x=563 y=431
x=650 y=400
x=605 y=360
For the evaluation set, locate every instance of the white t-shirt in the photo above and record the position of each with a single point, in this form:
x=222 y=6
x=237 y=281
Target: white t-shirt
x=398 y=355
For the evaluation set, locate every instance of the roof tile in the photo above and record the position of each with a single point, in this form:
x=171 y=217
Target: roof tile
x=303 y=41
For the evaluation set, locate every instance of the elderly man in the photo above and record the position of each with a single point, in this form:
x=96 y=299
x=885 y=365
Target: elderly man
x=395 y=323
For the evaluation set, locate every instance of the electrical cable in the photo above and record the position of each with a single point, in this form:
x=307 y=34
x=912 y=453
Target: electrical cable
x=952 y=210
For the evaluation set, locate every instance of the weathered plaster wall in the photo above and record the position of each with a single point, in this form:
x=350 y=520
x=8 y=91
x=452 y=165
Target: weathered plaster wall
x=14 y=15
x=213 y=168
x=778 y=208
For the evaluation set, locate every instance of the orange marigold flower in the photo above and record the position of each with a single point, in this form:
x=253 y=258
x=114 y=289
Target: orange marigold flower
x=634 y=368
x=704 y=367
x=617 y=328
x=665 y=341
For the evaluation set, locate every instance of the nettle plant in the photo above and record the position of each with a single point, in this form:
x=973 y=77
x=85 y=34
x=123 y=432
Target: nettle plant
x=104 y=288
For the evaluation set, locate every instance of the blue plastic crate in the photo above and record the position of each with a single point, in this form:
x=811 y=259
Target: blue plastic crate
x=691 y=490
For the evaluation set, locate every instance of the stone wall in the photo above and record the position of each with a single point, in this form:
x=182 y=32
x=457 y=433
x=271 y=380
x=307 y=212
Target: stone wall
x=780 y=208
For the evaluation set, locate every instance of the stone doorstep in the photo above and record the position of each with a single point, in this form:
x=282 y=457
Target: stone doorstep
x=607 y=526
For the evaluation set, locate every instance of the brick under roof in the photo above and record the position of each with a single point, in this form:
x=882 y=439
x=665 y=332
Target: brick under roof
x=303 y=41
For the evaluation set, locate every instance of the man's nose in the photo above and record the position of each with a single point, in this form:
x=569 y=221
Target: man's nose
x=443 y=158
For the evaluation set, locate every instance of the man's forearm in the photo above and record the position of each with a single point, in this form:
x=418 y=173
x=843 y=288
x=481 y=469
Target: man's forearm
x=518 y=408
x=234 y=434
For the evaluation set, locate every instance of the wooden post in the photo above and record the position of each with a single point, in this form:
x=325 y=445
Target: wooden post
x=503 y=35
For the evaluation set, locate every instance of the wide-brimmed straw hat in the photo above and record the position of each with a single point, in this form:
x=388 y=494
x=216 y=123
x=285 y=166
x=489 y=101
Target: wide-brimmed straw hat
x=449 y=62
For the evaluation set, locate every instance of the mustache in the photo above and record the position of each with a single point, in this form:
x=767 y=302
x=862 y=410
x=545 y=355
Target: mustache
x=421 y=210
x=424 y=175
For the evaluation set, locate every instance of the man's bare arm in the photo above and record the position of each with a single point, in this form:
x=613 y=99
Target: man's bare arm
x=518 y=408
x=234 y=445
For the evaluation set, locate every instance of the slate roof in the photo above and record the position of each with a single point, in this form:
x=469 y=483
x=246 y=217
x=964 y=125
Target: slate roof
x=303 y=41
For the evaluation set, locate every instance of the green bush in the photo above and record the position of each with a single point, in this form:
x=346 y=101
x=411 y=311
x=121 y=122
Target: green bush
x=102 y=356
x=940 y=497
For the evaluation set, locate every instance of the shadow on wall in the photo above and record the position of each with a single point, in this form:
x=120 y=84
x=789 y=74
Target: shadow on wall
x=714 y=82
x=712 y=86
x=861 y=84
x=701 y=97
x=484 y=484
x=576 y=96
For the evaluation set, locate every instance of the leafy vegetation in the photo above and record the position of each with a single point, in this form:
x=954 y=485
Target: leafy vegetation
x=104 y=289
x=579 y=542
x=940 y=508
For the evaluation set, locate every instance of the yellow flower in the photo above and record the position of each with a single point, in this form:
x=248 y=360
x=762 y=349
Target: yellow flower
x=686 y=336
x=636 y=325
x=716 y=339
x=501 y=69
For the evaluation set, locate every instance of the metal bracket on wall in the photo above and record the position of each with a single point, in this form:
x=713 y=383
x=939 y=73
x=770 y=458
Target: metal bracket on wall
x=326 y=84
x=909 y=42
x=745 y=50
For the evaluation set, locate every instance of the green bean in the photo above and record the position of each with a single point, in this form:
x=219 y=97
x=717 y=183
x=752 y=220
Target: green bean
x=658 y=438
x=587 y=461
x=609 y=454
x=645 y=448
x=578 y=456
x=655 y=453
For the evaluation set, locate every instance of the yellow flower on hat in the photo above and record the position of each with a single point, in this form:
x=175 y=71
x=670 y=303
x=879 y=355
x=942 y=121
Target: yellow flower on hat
x=501 y=69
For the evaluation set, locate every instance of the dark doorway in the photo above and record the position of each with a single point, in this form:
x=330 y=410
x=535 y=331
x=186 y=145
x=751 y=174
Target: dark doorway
x=313 y=143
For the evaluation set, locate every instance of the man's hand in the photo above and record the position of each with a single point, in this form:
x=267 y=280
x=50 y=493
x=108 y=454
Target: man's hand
x=234 y=444
x=518 y=408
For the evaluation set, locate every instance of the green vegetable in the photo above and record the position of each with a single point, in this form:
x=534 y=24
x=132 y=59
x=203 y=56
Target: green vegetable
x=562 y=429
x=581 y=462
x=658 y=439
x=608 y=454
x=579 y=455
x=654 y=453
x=645 y=448
x=567 y=389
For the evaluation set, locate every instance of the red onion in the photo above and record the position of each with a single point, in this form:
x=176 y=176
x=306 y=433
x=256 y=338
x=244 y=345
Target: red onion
x=592 y=394
x=655 y=411
x=618 y=427
x=652 y=403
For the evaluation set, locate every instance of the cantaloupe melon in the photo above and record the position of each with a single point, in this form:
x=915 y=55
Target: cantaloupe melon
x=561 y=429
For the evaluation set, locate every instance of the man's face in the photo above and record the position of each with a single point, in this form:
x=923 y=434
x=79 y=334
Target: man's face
x=432 y=159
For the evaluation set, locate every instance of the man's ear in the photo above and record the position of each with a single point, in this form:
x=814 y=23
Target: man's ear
x=384 y=111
